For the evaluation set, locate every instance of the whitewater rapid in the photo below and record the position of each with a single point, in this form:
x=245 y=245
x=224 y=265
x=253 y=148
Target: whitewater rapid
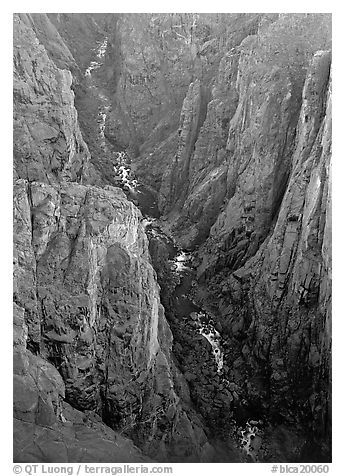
x=102 y=48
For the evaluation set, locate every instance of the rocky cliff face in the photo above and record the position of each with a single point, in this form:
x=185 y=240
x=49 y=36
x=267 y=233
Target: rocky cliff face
x=276 y=307
x=172 y=150
x=249 y=190
x=48 y=143
x=235 y=172
x=206 y=166
x=237 y=145
x=174 y=184
x=46 y=428
x=92 y=307
x=92 y=334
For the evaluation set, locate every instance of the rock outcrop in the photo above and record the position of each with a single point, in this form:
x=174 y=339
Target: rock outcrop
x=92 y=307
x=174 y=184
x=276 y=308
x=93 y=335
x=48 y=145
x=46 y=428
x=253 y=201
x=235 y=138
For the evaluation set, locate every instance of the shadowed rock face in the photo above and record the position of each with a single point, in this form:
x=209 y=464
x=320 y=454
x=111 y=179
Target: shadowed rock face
x=46 y=428
x=259 y=143
x=87 y=296
x=236 y=170
x=276 y=307
x=174 y=184
x=254 y=203
x=206 y=167
x=242 y=156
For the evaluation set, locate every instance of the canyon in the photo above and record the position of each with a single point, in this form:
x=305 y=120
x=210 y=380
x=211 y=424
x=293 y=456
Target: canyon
x=172 y=237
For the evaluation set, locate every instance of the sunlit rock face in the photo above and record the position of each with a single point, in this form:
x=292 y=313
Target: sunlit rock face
x=86 y=292
x=93 y=308
x=48 y=145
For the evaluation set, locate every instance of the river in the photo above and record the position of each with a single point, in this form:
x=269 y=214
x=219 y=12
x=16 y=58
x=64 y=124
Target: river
x=179 y=266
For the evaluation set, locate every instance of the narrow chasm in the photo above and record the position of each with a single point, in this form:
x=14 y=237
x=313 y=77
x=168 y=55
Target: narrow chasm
x=198 y=343
x=228 y=359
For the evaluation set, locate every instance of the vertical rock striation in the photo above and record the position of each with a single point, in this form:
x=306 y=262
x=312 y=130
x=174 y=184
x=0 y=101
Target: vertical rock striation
x=86 y=295
x=255 y=205
x=205 y=172
x=48 y=145
x=175 y=179
x=93 y=310
x=259 y=147
x=242 y=170
x=276 y=307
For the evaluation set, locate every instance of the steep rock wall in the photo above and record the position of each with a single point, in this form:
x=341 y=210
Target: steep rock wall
x=259 y=148
x=206 y=171
x=188 y=60
x=241 y=168
x=79 y=34
x=259 y=192
x=92 y=302
x=49 y=36
x=242 y=157
x=84 y=284
x=48 y=144
x=276 y=308
x=175 y=179
x=46 y=428
x=237 y=171
x=204 y=119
